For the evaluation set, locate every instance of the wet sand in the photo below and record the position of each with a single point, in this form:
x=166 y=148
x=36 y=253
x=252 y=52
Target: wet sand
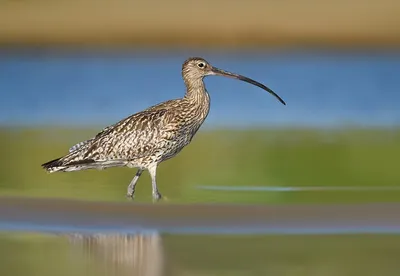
x=61 y=215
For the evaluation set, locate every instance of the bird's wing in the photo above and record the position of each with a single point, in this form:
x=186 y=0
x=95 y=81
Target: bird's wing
x=86 y=142
x=132 y=137
x=159 y=107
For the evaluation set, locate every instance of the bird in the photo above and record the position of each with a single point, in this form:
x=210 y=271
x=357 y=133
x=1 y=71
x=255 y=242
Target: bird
x=149 y=137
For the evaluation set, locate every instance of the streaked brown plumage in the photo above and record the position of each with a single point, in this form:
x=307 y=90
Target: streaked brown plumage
x=147 y=138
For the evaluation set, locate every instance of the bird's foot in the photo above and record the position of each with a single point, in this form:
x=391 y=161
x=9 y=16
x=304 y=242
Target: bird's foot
x=130 y=193
x=156 y=196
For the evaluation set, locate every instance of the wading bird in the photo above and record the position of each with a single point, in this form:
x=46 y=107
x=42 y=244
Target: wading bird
x=147 y=138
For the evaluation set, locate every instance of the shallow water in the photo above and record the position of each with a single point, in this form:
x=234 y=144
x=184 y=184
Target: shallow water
x=151 y=254
x=67 y=237
x=63 y=216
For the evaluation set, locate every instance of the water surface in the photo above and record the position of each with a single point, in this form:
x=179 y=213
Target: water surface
x=65 y=237
x=321 y=88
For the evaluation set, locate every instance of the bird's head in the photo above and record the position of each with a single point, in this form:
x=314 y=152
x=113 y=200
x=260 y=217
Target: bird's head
x=195 y=69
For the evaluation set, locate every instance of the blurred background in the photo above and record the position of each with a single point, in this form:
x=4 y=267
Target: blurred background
x=70 y=68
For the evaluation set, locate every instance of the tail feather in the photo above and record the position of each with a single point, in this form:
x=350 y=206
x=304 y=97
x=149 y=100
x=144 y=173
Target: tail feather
x=52 y=164
x=70 y=160
x=62 y=165
x=68 y=164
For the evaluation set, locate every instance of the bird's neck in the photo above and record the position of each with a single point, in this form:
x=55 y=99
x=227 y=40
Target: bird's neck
x=196 y=91
x=198 y=100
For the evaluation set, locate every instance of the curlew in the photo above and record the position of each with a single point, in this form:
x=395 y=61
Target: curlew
x=147 y=138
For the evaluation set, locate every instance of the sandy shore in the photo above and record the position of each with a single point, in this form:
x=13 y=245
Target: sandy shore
x=204 y=24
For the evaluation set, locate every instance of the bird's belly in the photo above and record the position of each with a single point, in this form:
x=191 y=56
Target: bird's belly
x=166 y=147
x=173 y=147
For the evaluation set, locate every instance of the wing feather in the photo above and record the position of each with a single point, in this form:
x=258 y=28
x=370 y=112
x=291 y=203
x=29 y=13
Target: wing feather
x=133 y=137
x=86 y=142
x=130 y=138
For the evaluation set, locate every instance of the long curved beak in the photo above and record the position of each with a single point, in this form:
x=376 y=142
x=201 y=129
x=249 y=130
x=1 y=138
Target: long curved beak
x=220 y=72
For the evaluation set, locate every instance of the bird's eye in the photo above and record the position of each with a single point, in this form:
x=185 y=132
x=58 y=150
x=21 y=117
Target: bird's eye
x=201 y=64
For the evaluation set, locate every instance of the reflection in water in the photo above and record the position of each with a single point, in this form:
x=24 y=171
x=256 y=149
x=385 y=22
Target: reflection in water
x=122 y=254
x=211 y=255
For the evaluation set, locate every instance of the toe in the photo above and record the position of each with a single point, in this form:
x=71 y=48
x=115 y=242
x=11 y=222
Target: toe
x=157 y=196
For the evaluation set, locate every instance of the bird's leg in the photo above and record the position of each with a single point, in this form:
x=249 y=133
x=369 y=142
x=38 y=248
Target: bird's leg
x=131 y=186
x=152 y=170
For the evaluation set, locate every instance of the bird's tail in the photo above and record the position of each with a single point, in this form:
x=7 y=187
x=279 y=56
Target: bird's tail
x=74 y=162
x=69 y=162
x=52 y=165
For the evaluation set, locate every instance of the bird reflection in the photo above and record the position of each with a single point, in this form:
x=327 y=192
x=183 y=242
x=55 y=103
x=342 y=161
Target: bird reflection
x=122 y=254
